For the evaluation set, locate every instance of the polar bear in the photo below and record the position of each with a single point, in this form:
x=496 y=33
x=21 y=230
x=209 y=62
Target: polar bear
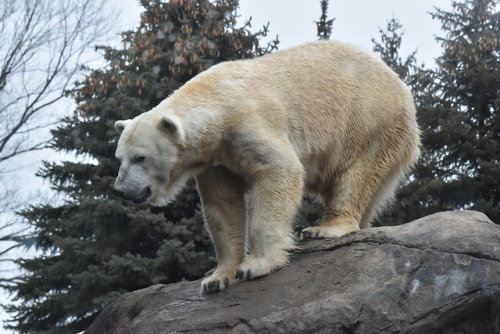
x=324 y=117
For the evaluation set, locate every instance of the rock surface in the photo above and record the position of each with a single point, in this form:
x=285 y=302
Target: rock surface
x=438 y=274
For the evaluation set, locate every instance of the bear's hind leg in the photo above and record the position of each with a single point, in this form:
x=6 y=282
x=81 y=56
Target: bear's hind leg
x=222 y=196
x=335 y=224
x=350 y=202
x=384 y=195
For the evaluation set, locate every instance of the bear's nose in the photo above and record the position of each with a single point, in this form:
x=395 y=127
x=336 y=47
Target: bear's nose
x=118 y=192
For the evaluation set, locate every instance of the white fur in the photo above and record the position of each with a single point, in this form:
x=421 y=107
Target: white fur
x=324 y=117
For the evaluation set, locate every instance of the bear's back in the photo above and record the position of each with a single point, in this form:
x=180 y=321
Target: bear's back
x=325 y=96
x=335 y=78
x=331 y=87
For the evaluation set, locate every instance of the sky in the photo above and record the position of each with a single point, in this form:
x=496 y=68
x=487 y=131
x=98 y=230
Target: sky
x=356 y=22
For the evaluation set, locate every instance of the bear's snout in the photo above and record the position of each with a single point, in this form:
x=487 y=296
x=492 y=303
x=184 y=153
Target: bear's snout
x=118 y=188
x=140 y=197
x=118 y=192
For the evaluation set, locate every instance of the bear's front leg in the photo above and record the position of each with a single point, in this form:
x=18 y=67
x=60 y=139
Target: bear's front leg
x=273 y=200
x=222 y=196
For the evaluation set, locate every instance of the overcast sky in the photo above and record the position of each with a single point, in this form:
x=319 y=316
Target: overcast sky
x=356 y=22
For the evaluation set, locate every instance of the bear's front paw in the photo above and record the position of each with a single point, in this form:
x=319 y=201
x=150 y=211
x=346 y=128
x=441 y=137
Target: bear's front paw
x=255 y=267
x=217 y=281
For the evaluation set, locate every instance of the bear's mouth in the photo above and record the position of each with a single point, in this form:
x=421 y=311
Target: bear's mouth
x=146 y=194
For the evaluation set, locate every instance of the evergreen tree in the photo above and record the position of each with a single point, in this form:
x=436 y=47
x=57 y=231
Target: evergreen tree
x=389 y=46
x=469 y=86
x=324 y=25
x=95 y=246
x=457 y=109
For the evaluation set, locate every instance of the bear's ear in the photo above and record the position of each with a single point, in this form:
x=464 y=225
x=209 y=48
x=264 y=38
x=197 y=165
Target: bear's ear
x=172 y=125
x=121 y=125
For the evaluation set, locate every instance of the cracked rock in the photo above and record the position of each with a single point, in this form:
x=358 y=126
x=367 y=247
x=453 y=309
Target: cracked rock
x=438 y=274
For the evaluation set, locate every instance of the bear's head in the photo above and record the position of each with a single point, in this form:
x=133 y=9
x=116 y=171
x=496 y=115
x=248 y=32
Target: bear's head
x=148 y=150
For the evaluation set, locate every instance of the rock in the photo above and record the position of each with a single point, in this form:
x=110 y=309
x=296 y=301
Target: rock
x=438 y=274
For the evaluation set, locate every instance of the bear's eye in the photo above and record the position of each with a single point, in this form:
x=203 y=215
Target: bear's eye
x=138 y=159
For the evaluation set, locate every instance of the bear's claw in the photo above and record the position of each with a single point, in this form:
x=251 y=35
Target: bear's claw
x=211 y=286
x=257 y=267
x=321 y=232
x=240 y=274
x=308 y=234
x=216 y=282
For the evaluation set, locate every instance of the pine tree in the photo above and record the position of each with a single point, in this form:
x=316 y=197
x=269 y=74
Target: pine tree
x=389 y=46
x=94 y=246
x=324 y=25
x=469 y=77
x=457 y=109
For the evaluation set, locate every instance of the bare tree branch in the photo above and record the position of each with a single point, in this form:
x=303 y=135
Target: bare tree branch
x=44 y=42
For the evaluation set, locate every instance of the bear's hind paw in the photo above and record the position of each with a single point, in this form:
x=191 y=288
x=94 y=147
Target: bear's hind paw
x=321 y=232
